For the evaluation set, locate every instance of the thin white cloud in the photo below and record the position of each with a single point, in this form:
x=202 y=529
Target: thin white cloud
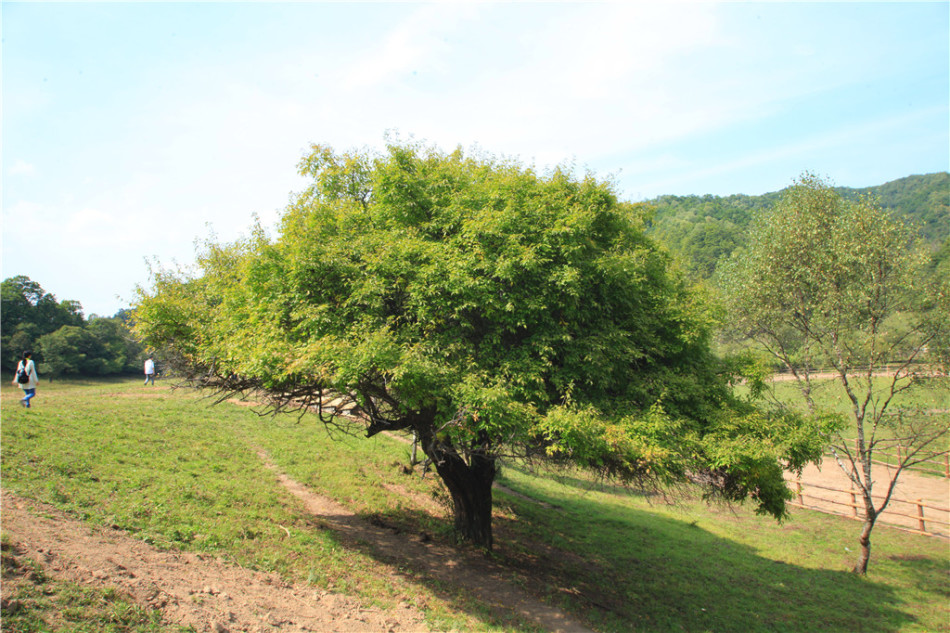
x=21 y=212
x=90 y=226
x=22 y=168
x=413 y=45
x=622 y=48
x=560 y=90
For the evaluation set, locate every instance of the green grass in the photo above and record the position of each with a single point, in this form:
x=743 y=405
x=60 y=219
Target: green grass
x=177 y=472
x=694 y=567
x=930 y=397
x=929 y=393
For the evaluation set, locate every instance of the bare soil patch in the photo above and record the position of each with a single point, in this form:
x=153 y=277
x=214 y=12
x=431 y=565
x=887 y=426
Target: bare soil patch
x=189 y=589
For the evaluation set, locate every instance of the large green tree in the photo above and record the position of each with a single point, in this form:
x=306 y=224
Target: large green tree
x=839 y=284
x=102 y=347
x=486 y=308
x=72 y=350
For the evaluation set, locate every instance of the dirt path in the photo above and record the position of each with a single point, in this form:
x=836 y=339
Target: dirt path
x=828 y=375
x=198 y=591
x=473 y=573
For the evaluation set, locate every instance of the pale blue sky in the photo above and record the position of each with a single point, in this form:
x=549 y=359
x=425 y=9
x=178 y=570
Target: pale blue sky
x=132 y=129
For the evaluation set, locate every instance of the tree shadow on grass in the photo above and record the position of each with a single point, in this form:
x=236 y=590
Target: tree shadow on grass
x=628 y=569
x=464 y=577
x=615 y=568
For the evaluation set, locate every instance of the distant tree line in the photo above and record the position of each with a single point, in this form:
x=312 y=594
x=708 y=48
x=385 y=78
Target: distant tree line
x=62 y=340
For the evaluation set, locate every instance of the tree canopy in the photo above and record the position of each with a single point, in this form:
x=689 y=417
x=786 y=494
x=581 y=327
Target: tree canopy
x=28 y=312
x=490 y=310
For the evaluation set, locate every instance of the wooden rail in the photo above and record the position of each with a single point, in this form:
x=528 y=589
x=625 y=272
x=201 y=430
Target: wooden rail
x=937 y=526
x=917 y=467
x=885 y=370
x=945 y=462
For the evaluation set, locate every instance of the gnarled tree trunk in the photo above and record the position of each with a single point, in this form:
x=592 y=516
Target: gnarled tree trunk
x=470 y=484
x=468 y=474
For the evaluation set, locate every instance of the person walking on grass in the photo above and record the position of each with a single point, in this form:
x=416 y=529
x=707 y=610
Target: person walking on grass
x=149 y=371
x=27 y=369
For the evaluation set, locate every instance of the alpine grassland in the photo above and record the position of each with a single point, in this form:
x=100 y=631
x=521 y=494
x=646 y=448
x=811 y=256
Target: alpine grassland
x=176 y=470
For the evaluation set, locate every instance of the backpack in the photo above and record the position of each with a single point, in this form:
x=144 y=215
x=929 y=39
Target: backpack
x=22 y=375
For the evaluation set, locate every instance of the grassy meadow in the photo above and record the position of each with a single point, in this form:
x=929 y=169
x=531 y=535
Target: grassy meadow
x=930 y=393
x=930 y=397
x=173 y=470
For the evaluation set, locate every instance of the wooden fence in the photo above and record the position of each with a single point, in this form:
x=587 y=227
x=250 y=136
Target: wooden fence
x=913 y=516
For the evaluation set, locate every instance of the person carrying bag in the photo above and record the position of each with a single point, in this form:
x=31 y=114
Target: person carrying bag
x=26 y=378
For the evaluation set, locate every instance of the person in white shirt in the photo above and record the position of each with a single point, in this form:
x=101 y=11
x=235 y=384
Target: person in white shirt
x=29 y=388
x=149 y=370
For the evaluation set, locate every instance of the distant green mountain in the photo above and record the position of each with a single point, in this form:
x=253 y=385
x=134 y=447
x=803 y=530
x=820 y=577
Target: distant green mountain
x=922 y=200
x=703 y=230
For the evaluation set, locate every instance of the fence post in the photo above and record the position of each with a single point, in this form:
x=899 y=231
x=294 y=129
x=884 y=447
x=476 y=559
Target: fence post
x=946 y=465
x=801 y=498
x=920 y=515
x=854 y=501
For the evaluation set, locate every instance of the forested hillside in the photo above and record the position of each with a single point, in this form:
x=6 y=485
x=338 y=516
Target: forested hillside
x=705 y=229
